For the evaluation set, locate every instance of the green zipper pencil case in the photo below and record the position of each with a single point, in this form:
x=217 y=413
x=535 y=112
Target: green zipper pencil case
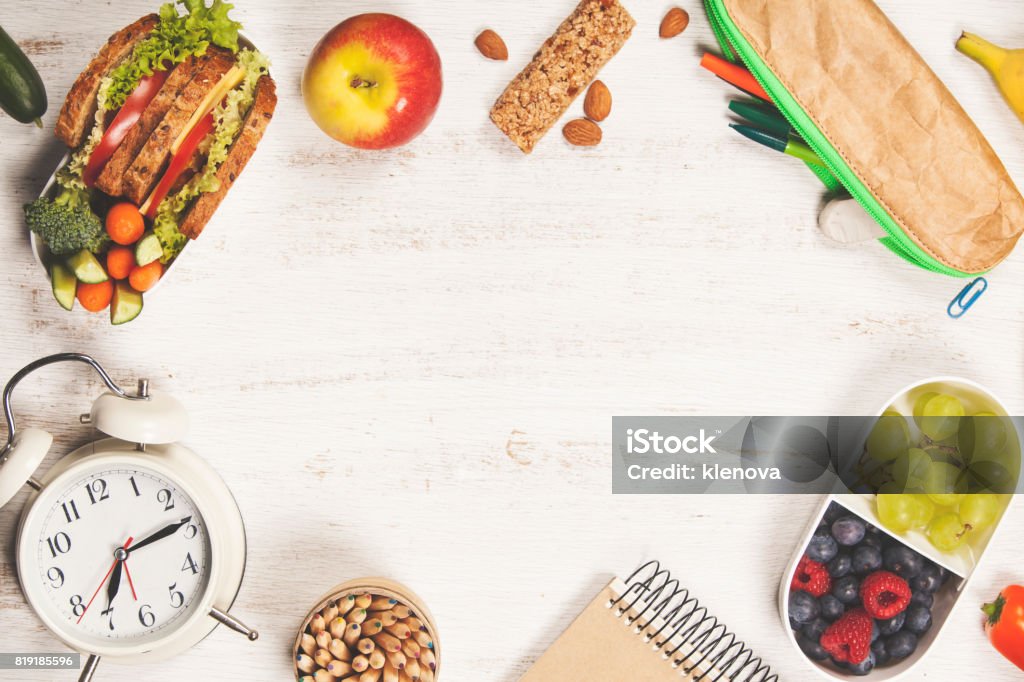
x=884 y=125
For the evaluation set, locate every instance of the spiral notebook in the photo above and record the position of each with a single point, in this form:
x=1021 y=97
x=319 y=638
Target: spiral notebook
x=647 y=629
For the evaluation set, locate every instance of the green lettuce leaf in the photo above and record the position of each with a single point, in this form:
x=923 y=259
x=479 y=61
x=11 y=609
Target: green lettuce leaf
x=175 y=38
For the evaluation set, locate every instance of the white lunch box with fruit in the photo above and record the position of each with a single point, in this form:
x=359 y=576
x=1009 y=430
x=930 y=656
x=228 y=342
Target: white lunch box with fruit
x=876 y=576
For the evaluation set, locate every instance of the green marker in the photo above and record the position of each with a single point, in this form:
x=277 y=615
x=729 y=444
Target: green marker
x=762 y=117
x=787 y=144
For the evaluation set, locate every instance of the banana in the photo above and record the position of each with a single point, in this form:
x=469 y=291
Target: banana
x=1006 y=67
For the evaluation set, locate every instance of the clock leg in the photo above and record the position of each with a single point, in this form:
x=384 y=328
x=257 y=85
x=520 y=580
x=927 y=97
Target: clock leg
x=89 y=669
x=233 y=623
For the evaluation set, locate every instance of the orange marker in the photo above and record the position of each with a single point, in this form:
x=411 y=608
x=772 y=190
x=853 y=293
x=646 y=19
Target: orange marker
x=734 y=74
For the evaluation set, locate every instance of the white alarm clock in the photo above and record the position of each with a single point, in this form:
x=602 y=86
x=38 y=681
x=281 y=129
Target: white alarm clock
x=131 y=548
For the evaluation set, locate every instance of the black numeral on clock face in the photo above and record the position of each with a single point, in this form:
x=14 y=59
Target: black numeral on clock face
x=164 y=495
x=97 y=490
x=77 y=607
x=56 y=577
x=59 y=544
x=189 y=564
x=146 y=616
x=70 y=511
x=177 y=597
x=109 y=613
x=135 y=486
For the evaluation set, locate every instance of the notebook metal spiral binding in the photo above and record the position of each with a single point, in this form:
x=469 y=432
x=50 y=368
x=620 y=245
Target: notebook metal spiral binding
x=688 y=636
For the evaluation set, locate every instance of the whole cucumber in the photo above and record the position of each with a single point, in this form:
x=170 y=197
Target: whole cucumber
x=22 y=94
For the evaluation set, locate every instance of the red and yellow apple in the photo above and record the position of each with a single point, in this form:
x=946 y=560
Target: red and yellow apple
x=373 y=81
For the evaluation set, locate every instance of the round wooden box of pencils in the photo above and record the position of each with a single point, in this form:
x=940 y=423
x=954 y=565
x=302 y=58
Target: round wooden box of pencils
x=368 y=630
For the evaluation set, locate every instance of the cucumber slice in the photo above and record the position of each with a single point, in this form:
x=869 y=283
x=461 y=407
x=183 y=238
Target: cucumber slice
x=148 y=249
x=86 y=268
x=65 y=285
x=126 y=304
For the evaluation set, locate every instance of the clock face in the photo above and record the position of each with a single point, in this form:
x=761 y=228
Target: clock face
x=122 y=556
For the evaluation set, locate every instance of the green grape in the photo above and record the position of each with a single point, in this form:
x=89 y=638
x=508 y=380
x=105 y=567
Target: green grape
x=947 y=532
x=979 y=510
x=924 y=510
x=983 y=435
x=919 y=404
x=990 y=476
x=910 y=471
x=889 y=437
x=940 y=417
x=944 y=485
x=896 y=512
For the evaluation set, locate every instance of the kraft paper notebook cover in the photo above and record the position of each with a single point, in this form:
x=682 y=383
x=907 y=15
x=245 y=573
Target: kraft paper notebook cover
x=649 y=630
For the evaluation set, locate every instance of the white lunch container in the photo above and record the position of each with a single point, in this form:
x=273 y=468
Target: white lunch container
x=962 y=564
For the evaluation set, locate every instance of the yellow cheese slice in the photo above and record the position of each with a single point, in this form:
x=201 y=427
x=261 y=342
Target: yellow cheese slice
x=226 y=84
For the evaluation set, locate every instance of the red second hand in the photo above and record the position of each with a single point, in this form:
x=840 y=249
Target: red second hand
x=129 y=574
x=109 y=571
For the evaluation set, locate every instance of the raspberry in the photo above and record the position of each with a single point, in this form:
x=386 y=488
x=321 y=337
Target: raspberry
x=848 y=640
x=884 y=595
x=811 y=577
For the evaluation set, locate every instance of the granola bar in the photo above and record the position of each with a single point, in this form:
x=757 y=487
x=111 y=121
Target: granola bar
x=563 y=68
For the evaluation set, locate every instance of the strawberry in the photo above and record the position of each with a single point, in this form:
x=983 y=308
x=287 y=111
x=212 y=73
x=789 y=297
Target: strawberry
x=848 y=640
x=884 y=595
x=811 y=577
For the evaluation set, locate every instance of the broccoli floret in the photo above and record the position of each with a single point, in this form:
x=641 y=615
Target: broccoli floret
x=67 y=223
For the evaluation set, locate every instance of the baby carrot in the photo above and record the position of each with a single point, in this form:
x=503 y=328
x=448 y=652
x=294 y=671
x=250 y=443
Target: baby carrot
x=120 y=261
x=95 y=297
x=143 y=278
x=125 y=224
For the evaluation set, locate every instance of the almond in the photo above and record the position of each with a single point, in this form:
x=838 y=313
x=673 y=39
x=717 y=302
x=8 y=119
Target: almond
x=674 y=23
x=582 y=133
x=607 y=3
x=598 y=103
x=492 y=46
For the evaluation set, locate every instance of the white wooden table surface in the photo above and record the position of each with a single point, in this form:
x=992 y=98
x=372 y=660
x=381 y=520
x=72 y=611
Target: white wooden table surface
x=406 y=363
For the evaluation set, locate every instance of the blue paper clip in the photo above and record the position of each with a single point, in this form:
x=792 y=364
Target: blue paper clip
x=967 y=297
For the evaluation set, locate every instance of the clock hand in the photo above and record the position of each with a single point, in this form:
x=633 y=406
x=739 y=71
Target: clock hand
x=131 y=584
x=115 y=581
x=100 y=587
x=164 y=532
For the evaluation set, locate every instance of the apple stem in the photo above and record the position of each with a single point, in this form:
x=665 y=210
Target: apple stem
x=358 y=82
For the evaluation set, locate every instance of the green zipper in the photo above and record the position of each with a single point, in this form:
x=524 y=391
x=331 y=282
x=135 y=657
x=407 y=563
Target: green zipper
x=732 y=42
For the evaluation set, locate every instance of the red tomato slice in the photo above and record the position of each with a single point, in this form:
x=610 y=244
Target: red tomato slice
x=125 y=120
x=178 y=164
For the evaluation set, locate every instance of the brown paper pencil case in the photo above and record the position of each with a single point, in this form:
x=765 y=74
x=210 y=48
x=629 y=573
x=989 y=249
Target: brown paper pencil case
x=883 y=123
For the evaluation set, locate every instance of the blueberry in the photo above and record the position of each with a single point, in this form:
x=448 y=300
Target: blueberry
x=872 y=540
x=847 y=590
x=919 y=620
x=833 y=513
x=840 y=565
x=848 y=530
x=815 y=629
x=901 y=645
x=803 y=608
x=880 y=652
x=794 y=625
x=864 y=667
x=903 y=561
x=892 y=625
x=924 y=599
x=822 y=547
x=875 y=632
x=928 y=580
x=812 y=649
x=866 y=559
x=831 y=608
